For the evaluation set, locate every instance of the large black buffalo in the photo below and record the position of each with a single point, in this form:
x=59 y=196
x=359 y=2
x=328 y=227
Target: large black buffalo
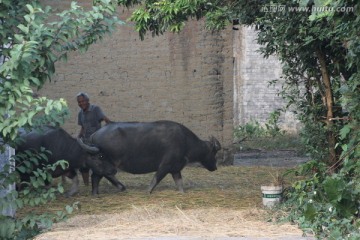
x=62 y=147
x=142 y=147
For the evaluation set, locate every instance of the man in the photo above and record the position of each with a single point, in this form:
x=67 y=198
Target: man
x=89 y=118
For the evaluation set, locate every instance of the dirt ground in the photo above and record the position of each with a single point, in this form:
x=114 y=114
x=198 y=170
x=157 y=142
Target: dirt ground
x=156 y=222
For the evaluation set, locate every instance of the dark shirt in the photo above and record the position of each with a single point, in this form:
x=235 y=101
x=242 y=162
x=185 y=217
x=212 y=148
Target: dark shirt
x=90 y=120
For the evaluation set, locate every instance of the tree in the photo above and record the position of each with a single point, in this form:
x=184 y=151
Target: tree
x=318 y=44
x=33 y=38
x=31 y=45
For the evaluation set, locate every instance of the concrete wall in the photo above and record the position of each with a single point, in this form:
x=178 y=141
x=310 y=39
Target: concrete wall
x=254 y=98
x=186 y=77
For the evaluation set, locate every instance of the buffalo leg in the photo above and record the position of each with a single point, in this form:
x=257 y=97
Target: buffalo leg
x=95 y=180
x=103 y=169
x=116 y=182
x=160 y=174
x=63 y=179
x=75 y=183
x=178 y=181
x=85 y=175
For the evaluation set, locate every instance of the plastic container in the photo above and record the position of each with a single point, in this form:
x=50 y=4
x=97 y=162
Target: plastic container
x=271 y=195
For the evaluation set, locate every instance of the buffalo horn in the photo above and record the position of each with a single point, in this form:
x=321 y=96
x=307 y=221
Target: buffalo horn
x=88 y=148
x=215 y=143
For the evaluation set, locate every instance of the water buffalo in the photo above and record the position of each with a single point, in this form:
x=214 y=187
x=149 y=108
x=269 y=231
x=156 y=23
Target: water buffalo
x=143 y=147
x=62 y=147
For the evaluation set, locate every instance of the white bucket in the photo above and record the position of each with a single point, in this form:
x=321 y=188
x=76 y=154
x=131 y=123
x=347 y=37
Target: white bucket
x=271 y=195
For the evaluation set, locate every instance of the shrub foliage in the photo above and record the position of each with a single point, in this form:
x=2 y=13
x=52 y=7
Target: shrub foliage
x=31 y=43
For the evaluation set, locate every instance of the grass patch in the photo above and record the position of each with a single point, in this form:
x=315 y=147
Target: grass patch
x=267 y=136
x=279 y=142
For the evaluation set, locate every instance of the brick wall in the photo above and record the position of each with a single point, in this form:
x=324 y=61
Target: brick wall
x=186 y=77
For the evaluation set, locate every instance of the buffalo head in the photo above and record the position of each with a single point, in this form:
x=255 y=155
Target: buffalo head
x=209 y=160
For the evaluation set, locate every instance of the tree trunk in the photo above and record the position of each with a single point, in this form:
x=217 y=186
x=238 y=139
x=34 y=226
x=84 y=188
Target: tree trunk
x=329 y=106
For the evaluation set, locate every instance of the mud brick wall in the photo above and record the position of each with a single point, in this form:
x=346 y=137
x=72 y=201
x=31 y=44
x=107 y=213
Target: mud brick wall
x=186 y=77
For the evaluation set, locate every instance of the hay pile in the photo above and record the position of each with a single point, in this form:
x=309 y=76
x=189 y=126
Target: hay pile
x=155 y=222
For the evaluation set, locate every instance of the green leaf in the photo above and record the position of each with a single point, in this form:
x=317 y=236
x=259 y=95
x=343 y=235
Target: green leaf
x=31 y=114
x=347 y=208
x=31 y=9
x=310 y=212
x=23 y=28
x=48 y=42
x=26 y=191
x=7 y=228
x=22 y=121
x=69 y=209
x=35 y=81
x=60 y=189
x=334 y=188
x=345 y=131
x=28 y=18
x=22 y=169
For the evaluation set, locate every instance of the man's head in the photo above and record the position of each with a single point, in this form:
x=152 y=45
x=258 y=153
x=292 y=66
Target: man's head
x=83 y=100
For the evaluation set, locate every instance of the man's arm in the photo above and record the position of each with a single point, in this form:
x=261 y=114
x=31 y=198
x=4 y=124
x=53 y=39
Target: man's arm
x=106 y=119
x=101 y=116
x=81 y=133
x=82 y=130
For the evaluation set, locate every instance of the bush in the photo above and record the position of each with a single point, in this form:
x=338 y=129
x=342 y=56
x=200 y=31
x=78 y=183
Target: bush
x=32 y=192
x=269 y=136
x=327 y=204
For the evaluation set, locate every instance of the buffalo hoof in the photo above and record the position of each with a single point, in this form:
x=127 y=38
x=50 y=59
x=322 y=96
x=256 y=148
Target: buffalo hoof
x=70 y=194
x=121 y=189
x=95 y=194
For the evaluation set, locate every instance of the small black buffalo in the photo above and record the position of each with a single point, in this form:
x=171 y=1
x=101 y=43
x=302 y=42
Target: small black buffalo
x=62 y=147
x=142 y=147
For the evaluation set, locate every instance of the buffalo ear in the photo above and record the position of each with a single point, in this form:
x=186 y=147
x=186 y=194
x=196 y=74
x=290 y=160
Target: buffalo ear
x=215 y=143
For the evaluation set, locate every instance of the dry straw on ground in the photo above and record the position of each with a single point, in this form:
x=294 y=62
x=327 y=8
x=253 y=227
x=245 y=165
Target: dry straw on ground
x=225 y=203
x=157 y=222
